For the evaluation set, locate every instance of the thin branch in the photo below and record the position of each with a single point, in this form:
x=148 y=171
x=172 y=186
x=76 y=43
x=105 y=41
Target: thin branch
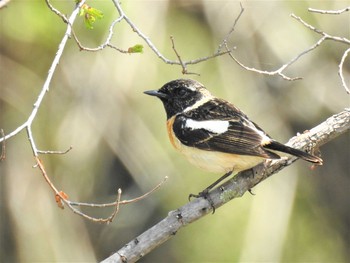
x=184 y=70
x=226 y=38
x=340 y=72
x=183 y=65
x=320 y=32
x=329 y=12
x=3 y=146
x=55 y=152
x=140 y=34
x=236 y=187
x=278 y=71
x=123 y=202
x=116 y=210
x=53 y=9
x=107 y=43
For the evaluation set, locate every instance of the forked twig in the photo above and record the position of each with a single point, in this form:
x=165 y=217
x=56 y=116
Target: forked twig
x=183 y=65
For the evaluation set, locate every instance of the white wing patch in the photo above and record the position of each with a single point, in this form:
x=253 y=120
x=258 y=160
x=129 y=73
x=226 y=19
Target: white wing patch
x=214 y=126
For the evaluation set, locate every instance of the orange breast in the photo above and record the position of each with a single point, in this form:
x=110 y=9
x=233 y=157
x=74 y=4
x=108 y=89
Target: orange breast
x=174 y=141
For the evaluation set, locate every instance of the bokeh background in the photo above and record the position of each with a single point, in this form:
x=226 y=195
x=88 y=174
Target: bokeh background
x=96 y=104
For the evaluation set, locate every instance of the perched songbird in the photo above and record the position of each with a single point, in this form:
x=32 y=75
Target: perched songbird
x=214 y=134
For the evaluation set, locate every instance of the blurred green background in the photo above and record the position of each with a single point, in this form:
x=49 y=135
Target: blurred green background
x=96 y=104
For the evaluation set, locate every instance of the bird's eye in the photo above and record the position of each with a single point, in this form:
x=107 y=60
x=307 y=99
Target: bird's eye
x=182 y=92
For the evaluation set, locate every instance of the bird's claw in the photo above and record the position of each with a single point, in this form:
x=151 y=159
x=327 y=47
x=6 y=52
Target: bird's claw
x=204 y=194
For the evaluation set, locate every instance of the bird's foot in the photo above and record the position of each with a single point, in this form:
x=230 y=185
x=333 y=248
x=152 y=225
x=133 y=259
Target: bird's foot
x=204 y=194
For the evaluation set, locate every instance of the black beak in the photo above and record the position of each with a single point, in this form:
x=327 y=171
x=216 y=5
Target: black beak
x=156 y=93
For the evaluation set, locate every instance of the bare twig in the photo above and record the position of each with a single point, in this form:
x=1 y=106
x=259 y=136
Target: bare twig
x=340 y=72
x=320 y=32
x=55 y=152
x=329 y=12
x=53 y=9
x=278 y=71
x=116 y=210
x=123 y=202
x=226 y=38
x=3 y=146
x=184 y=70
x=236 y=187
x=107 y=43
x=183 y=65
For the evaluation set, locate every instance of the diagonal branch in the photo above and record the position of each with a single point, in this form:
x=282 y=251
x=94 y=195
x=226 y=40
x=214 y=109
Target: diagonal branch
x=236 y=187
x=329 y=12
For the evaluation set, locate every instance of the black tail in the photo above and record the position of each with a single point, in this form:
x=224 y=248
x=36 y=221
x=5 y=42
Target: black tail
x=276 y=146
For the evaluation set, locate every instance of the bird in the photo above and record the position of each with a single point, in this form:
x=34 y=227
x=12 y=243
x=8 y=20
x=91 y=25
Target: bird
x=215 y=135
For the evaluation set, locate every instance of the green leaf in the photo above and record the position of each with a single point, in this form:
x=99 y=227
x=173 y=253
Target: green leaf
x=136 y=49
x=90 y=15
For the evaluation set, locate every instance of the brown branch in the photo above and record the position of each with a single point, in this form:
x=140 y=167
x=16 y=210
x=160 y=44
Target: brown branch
x=236 y=187
x=55 y=152
x=183 y=65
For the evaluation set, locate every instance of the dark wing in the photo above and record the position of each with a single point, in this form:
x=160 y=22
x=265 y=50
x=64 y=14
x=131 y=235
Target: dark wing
x=222 y=128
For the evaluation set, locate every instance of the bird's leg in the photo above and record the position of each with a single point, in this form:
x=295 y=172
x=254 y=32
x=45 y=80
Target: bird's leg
x=205 y=192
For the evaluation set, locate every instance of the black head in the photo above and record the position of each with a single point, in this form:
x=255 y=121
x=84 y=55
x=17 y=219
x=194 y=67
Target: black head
x=177 y=95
